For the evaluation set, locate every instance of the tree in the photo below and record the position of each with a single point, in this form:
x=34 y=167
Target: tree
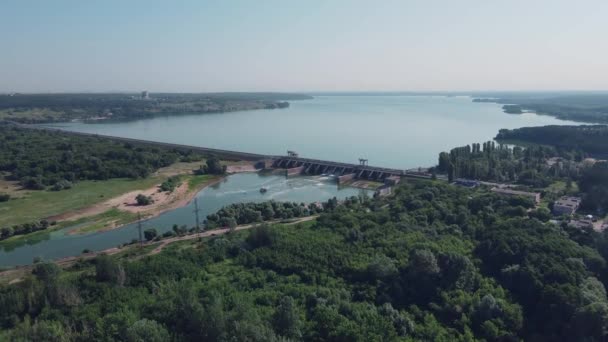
x=444 y=162
x=108 y=270
x=46 y=271
x=144 y=200
x=286 y=320
x=381 y=267
x=261 y=236
x=146 y=330
x=213 y=166
x=423 y=261
x=150 y=234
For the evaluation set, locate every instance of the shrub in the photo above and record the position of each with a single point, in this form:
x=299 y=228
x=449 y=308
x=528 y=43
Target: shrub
x=144 y=200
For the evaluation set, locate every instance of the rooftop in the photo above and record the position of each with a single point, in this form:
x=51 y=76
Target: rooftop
x=571 y=202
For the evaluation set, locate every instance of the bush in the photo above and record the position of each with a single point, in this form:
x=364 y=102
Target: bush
x=150 y=234
x=4 y=197
x=144 y=200
x=170 y=184
x=62 y=185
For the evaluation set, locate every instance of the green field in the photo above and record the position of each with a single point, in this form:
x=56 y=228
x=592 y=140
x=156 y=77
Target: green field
x=35 y=205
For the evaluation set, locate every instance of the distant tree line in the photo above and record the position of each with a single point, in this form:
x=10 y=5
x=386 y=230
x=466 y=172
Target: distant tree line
x=37 y=108
x=592 y=108
x=496 y=162
x=592 y=140
x=39 y=159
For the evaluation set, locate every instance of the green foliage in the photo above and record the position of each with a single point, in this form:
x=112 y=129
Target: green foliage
x=146 y=330
x=589 y=139
x=501 y=163
x=150 y=234
x=41 y=158
x=142 y=199
x=431 y=263
x=594 y=182
x=62 y=185
x=212 y=166
x=22 y=229
x=245 y=213
x=4 y=197
x=46 y=271
x=108 y=270
x=170 y=184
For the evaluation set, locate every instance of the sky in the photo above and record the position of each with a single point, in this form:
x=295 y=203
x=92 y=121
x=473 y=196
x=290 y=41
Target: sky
x=312 y=45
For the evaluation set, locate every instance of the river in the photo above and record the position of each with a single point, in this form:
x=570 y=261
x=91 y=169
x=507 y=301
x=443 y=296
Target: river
x=244 y=187
x=390 y=131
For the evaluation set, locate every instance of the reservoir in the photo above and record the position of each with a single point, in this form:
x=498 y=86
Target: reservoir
x=390 y=131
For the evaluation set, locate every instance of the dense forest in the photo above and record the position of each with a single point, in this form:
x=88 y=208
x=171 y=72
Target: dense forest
x=39 y=158
x=39 y=108
x=432 y=263
x=584 y=107
x=592 y=140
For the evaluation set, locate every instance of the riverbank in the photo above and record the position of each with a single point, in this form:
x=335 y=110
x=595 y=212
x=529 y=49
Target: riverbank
x=16 y=274
x=128 y=211
x=91 y=206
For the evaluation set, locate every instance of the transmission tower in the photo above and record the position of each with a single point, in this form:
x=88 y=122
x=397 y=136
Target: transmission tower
x=196 y=210
x=139 y=228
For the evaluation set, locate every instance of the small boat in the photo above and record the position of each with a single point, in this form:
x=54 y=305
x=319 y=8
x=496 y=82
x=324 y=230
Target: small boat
x=263 y=190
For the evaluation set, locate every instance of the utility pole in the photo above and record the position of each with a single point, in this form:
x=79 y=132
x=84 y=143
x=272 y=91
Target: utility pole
x=139 y=228
x=196 y=210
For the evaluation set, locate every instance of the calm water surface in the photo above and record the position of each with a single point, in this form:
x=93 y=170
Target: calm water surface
x=234 y=189
x=390 y=131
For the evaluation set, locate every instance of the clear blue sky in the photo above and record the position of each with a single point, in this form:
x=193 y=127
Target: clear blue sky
x=268 y=45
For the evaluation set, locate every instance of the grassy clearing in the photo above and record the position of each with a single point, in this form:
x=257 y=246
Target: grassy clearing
x=560 y=187
x=35 y=205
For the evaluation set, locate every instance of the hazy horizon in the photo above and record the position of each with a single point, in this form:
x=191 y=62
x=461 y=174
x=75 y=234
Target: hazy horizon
x=309 y=47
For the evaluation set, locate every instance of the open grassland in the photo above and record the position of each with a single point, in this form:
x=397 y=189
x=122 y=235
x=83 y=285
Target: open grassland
x=31 y=205
x=34 y=205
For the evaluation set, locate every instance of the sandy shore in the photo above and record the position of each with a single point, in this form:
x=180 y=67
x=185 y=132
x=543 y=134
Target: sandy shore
x=163 y=202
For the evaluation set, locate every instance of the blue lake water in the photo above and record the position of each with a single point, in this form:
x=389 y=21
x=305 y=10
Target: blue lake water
x=390 y=131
